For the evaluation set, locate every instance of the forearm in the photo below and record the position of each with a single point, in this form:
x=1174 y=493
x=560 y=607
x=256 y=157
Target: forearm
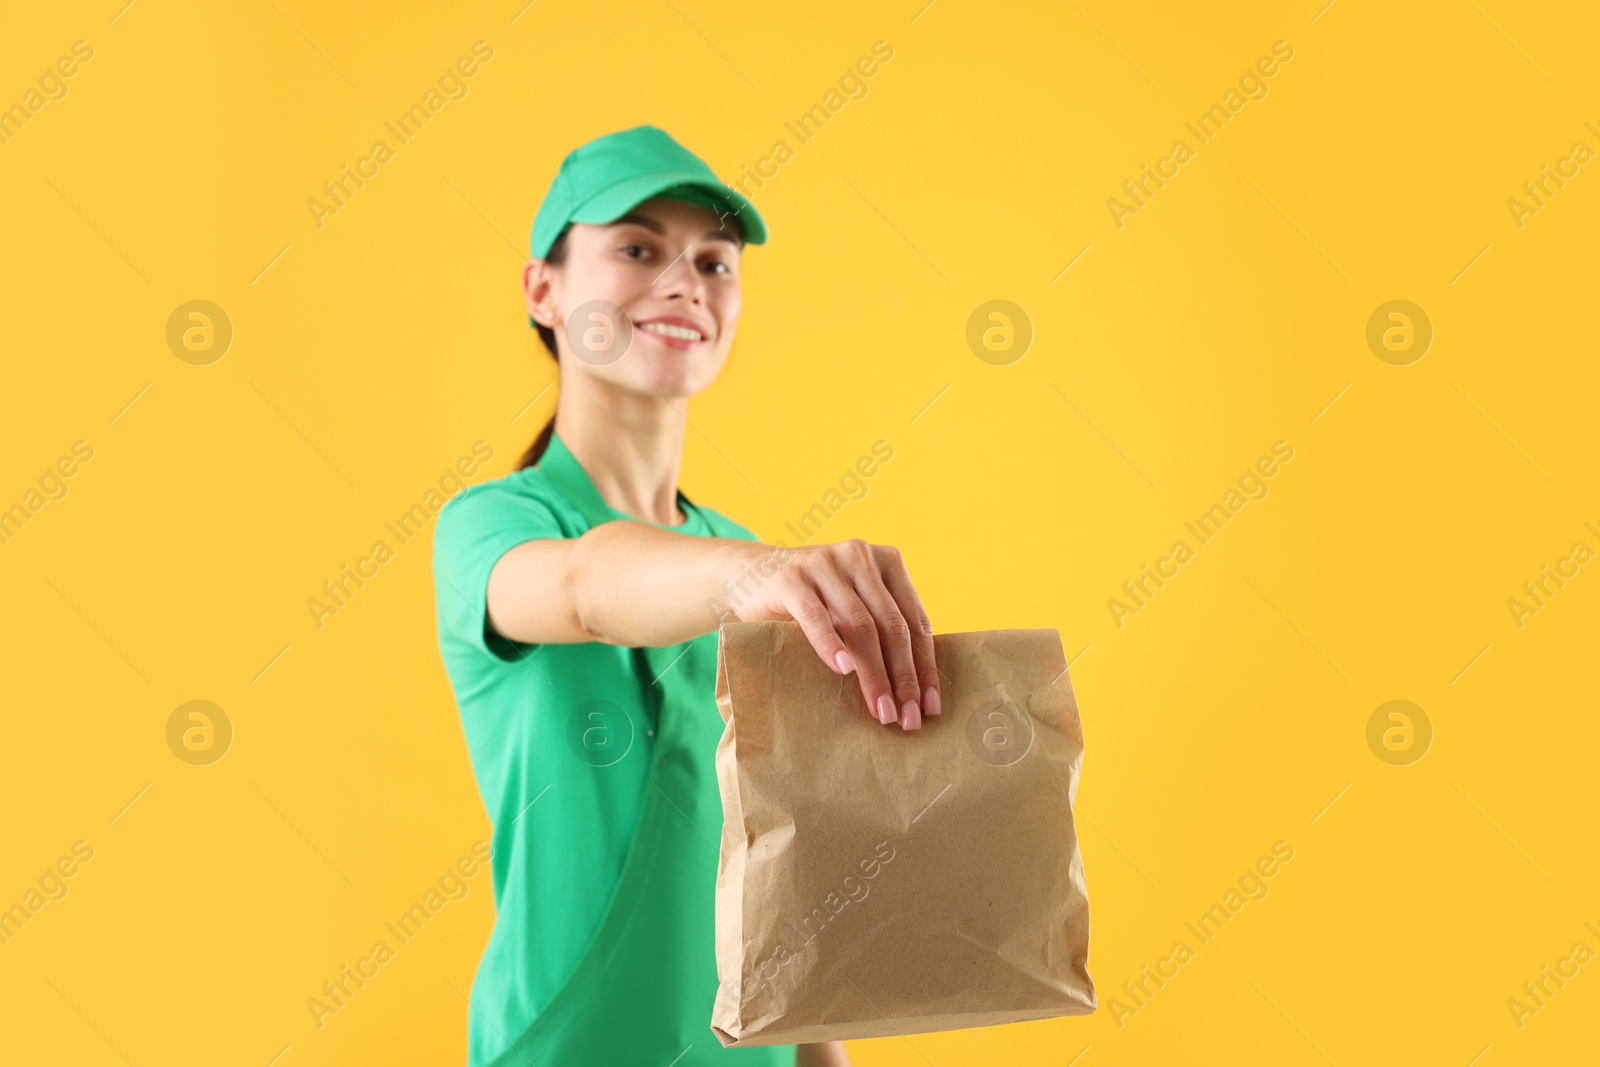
x=825 y=1054
x=635 y=584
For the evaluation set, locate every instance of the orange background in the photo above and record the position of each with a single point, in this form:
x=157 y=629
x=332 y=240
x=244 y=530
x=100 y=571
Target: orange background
x=1229 y=312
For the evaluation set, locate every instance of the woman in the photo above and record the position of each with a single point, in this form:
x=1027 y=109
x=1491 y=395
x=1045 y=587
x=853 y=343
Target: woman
x=578 y=601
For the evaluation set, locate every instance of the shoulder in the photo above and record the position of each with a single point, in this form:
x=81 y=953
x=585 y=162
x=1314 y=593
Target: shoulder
x=519 y=506
x=520 y=490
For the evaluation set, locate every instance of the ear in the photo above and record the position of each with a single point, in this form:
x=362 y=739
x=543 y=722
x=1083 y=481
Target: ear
x=538 y=290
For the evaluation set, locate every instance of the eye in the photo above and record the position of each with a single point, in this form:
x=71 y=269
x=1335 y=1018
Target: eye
x=630 y=250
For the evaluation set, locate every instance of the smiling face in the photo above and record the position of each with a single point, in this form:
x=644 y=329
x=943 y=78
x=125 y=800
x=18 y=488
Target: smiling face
x=673 y=270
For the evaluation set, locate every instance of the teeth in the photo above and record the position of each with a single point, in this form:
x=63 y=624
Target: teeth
x=669 y=330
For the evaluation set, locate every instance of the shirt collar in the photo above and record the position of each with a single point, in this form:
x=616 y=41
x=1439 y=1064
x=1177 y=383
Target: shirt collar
x=563 y=468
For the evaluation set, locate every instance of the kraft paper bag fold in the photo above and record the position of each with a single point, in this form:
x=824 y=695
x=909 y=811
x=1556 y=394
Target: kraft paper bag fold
x=875 y=881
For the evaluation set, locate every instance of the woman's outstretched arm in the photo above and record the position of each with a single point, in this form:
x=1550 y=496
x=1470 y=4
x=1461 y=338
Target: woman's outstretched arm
x=823 y=1054
x=635 y=584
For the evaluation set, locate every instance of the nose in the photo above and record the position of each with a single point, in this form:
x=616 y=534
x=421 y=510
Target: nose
x=681 y=279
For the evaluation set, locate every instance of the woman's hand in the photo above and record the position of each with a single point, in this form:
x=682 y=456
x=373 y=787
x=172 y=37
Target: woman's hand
x=858 y=608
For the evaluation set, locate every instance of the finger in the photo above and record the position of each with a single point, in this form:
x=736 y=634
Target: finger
x=807 y=609
x=855 y=623
x=898 y=581
x=894 y=636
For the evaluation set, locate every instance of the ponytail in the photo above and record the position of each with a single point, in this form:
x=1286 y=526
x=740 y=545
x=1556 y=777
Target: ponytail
x=540 y=443
x=555 y=257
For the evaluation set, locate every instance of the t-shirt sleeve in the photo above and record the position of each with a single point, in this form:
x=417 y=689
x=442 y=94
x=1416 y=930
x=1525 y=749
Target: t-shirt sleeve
x=474 y=529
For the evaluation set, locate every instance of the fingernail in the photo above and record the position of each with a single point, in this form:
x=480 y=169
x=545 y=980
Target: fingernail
x=886 y=709
x=911 y=717
x=930 y=700
x=846 y=664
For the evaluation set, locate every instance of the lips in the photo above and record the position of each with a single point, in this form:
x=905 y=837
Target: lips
x=674 y=330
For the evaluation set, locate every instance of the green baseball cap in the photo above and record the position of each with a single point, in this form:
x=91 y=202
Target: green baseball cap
x=601 y=180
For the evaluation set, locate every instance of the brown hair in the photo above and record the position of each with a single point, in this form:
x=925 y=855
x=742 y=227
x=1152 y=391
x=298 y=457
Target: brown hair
x=555 y=257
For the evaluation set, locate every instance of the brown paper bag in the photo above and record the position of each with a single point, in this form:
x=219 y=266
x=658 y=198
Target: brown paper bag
x=876 y=881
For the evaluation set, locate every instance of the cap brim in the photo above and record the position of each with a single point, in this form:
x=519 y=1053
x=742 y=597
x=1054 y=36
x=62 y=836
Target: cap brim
x=614 y=202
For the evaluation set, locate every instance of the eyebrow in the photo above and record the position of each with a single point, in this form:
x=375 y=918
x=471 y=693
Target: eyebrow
x=656 y=227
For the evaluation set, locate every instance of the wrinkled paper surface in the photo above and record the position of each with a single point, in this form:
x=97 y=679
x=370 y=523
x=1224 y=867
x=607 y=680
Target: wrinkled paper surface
x=875 y=881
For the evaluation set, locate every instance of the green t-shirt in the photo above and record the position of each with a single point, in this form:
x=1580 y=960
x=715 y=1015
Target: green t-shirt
x=560 y=737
